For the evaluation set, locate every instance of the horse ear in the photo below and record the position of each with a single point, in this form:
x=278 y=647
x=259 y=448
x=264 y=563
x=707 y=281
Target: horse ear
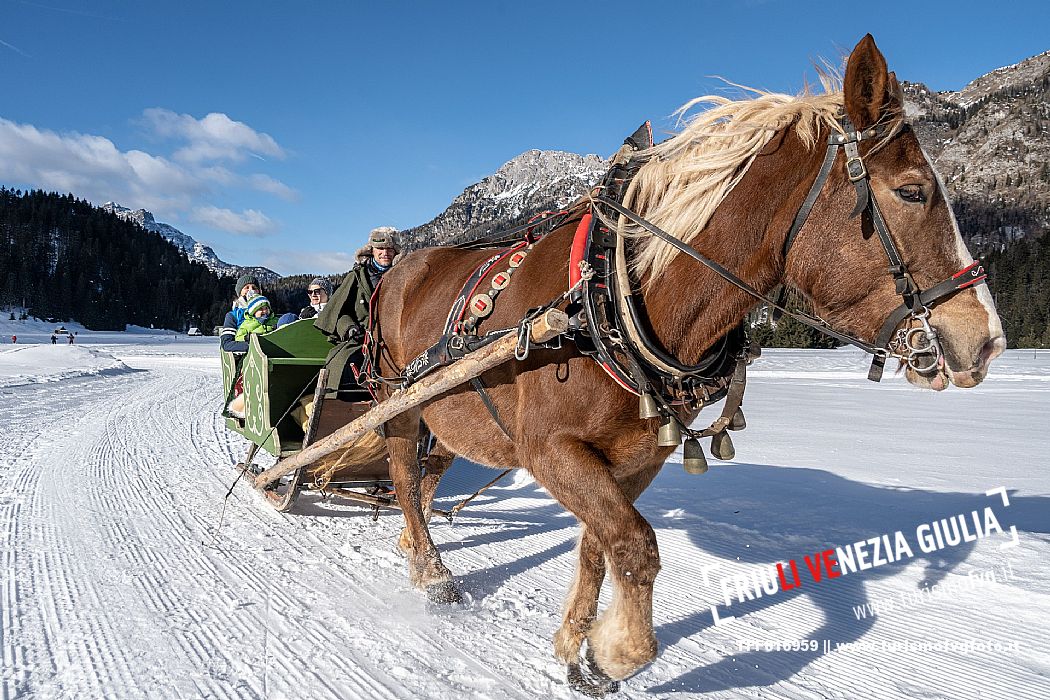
x=894 y=94
x=865 y=85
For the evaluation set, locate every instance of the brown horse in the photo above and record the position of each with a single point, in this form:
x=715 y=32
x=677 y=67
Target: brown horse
x=730 y=185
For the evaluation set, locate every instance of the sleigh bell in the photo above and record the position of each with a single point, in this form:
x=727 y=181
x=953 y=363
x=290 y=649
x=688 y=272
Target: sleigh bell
x=669 y=435
x=693 y=459
x=647 y=407
x=722 y=446
x=738 y=422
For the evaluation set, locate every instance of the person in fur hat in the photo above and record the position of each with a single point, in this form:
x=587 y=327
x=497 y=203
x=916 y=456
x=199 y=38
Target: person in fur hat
x=345 y=317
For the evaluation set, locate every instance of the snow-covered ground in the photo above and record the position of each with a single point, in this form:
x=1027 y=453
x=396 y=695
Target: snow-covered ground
x=115 y=580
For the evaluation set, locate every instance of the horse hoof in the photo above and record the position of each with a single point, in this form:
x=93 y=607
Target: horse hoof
x=590 y=680
x=588 y=677
x=444 y=593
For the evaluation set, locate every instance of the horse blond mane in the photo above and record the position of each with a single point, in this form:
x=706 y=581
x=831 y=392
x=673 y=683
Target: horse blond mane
x=686 y=177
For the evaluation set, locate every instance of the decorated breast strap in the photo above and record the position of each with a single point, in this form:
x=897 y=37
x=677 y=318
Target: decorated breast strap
x=475 y=302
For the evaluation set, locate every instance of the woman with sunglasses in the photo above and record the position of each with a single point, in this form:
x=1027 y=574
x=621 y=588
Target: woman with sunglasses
x=318 y=291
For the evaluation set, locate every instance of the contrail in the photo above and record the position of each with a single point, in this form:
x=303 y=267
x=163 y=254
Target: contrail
x=15 y=48
x=69 y=11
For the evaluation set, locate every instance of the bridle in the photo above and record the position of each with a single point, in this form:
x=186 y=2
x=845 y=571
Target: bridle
x=918 y=347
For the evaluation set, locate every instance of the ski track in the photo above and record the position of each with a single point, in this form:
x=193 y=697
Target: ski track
x=117 y=582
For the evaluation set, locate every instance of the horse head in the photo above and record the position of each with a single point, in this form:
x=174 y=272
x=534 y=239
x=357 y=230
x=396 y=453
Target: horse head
x=840 y=264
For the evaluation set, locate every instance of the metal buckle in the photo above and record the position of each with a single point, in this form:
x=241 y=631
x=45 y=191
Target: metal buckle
x=852 y=172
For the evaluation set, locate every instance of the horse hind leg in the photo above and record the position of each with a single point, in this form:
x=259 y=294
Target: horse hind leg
x=622 y=639
x=437 y=463
x=425 y=569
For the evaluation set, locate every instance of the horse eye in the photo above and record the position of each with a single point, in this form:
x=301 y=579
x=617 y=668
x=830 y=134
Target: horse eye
x=911 y=193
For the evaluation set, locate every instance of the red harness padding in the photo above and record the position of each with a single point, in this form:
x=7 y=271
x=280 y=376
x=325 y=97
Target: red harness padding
x=579 y=248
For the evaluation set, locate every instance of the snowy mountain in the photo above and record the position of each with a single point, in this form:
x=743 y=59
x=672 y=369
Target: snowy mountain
x=534 y=181
x=194 y=250
x=991 y=143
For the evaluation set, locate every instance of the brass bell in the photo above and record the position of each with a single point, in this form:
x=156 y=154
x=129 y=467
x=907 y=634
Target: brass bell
x=693 y=459
x=669 y=434
x=722 y=446
x=647 y=407
x=738 y=422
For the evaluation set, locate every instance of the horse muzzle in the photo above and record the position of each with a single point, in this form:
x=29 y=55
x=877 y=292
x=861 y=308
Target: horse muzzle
x=938 y=364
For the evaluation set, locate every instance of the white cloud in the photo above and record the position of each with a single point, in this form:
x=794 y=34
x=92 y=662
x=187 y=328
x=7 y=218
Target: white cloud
x=265 y=183
x=249 y=222
x=215 y=137
x=92 y=167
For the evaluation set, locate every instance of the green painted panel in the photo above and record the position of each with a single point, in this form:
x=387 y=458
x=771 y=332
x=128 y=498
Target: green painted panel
x=279 y=367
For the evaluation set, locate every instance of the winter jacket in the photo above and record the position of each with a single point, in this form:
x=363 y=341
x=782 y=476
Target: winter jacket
x=345 y=318
x=228 y=336
x=251 y=324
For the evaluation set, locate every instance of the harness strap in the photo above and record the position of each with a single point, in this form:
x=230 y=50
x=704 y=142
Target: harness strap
x=971 y=275
x=734 y=399
x=479 y=386
x=736 y=281
x=510 y=236
x=811 y=198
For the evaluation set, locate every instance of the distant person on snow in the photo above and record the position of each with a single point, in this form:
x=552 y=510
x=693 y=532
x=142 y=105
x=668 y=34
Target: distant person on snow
x=14 y=339
x=345 y=317
x=247 y=287
x=258 y=318
x=54 y=339
x=70 y=338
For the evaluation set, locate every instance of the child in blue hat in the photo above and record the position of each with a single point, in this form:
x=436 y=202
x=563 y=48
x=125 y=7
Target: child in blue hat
x=258 y=318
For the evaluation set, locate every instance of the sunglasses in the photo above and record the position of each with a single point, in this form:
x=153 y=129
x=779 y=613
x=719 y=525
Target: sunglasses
x=315 y=292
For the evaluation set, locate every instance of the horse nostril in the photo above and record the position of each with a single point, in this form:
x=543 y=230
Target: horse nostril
x=991 y=350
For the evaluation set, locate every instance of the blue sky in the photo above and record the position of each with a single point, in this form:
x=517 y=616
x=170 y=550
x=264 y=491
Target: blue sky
x=280 y=133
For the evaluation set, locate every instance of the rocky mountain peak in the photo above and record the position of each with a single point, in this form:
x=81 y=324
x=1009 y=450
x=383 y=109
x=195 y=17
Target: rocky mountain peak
x=193 y=249
x=524 y=185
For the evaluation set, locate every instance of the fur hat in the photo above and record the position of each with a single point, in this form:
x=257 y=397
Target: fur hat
x=256 y=303
x=384 y=237
x=322 y=283
x=244 y=280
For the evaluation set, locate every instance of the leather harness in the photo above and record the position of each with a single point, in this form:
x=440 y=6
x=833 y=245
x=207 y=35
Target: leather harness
x=606 y=317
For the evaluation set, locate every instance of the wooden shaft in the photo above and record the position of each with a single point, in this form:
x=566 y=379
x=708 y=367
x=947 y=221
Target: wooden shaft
x=552 y=323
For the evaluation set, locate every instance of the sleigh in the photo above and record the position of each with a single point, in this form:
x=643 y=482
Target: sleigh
x=325 y=444
x=287 y=409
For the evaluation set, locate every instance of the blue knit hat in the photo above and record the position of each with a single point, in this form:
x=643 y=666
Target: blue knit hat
x=256 y=303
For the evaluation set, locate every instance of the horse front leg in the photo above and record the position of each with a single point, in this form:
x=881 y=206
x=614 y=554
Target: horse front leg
x=621 y=641
x=581 y=606
x=581 y=609
x=425 y=568
x=437 y=463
